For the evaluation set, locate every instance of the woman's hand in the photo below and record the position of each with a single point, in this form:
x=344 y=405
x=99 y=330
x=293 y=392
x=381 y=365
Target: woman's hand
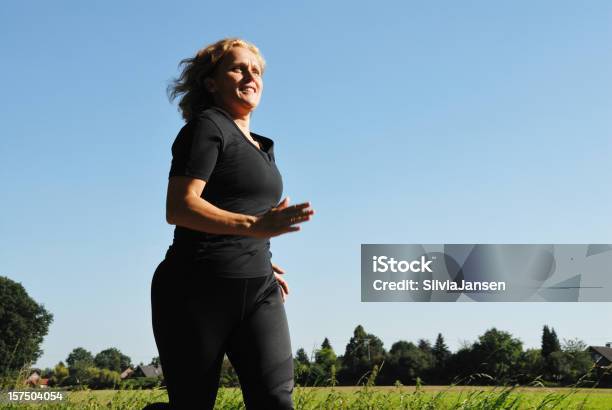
x=281 y=282
x=281 y=219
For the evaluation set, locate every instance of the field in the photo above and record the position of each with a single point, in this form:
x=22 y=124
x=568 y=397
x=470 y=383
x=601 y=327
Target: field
x=401 y=397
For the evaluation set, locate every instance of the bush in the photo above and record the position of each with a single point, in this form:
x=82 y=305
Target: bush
x=138 y=383
x=105 y=379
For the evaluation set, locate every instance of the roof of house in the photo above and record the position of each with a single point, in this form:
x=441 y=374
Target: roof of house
x=36 y=379
x=126 y=372
x=603 y=351
x=151 y=371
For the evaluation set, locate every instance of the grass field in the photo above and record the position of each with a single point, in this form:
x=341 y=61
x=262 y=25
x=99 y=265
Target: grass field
x=375 y=398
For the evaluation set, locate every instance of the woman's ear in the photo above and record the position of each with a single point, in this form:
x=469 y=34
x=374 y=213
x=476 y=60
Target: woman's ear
x=209 y=83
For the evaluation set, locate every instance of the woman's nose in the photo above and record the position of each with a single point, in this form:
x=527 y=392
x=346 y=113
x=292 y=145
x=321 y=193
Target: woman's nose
x=248 y=74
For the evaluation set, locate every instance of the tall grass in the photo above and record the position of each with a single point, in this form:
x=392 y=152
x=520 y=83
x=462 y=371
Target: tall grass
x=364 y=397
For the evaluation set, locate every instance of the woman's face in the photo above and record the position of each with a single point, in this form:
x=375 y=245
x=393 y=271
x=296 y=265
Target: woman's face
x=236 y=83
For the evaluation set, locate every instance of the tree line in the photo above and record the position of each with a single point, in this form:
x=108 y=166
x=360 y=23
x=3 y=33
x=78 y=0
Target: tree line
x=82 y=369
x=495 y=358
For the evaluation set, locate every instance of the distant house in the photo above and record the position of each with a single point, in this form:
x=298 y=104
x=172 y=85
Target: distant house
x=147 y=371
x=34 y=380
x=127 y=373
x=602 y=355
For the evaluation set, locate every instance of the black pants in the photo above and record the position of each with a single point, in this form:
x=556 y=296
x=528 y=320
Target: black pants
x=198 y=317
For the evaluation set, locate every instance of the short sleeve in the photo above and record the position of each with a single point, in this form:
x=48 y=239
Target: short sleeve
x=196 y=149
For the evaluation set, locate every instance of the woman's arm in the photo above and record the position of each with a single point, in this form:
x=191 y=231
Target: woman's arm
x=185 y=207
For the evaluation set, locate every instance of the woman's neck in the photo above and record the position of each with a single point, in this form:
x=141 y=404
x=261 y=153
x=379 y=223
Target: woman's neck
x=243 y=123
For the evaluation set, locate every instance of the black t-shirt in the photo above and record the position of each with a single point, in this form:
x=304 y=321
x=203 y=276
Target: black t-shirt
x=240 y=178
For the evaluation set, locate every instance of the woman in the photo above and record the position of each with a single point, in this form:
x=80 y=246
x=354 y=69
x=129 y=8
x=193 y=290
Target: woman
x=216 y=291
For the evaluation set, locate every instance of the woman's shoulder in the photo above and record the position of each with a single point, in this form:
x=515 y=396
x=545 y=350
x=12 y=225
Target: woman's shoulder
x=208 y=121
x=216 y=115
x=204 y=125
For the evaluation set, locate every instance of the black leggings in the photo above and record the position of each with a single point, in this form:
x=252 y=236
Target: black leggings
x=198 y=317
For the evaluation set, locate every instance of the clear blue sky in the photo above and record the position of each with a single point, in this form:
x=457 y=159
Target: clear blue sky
x=402 y=122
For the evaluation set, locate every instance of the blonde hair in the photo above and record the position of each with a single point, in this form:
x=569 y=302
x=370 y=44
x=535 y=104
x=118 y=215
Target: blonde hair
x=190 y=84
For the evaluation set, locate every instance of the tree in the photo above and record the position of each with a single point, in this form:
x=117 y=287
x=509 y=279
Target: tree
x=112 y=359
x=530 y=366
x=103 y=378
x=497 y=354
x=428 y=371
x=406 y=362
x=301 y=356
x=574 y=345
x=441 y=355
x=325 y=358
x=301 y=367
x=23 y=325
x=362 y=352
x=81 y=374
x=155 y=362
x=553 y=364
x=550 y=342
x=424 y=345
x=440 y=350
x=571 y=363
x=80 y=357
x=462 y=364
x=47 y=373
x=60 y=374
